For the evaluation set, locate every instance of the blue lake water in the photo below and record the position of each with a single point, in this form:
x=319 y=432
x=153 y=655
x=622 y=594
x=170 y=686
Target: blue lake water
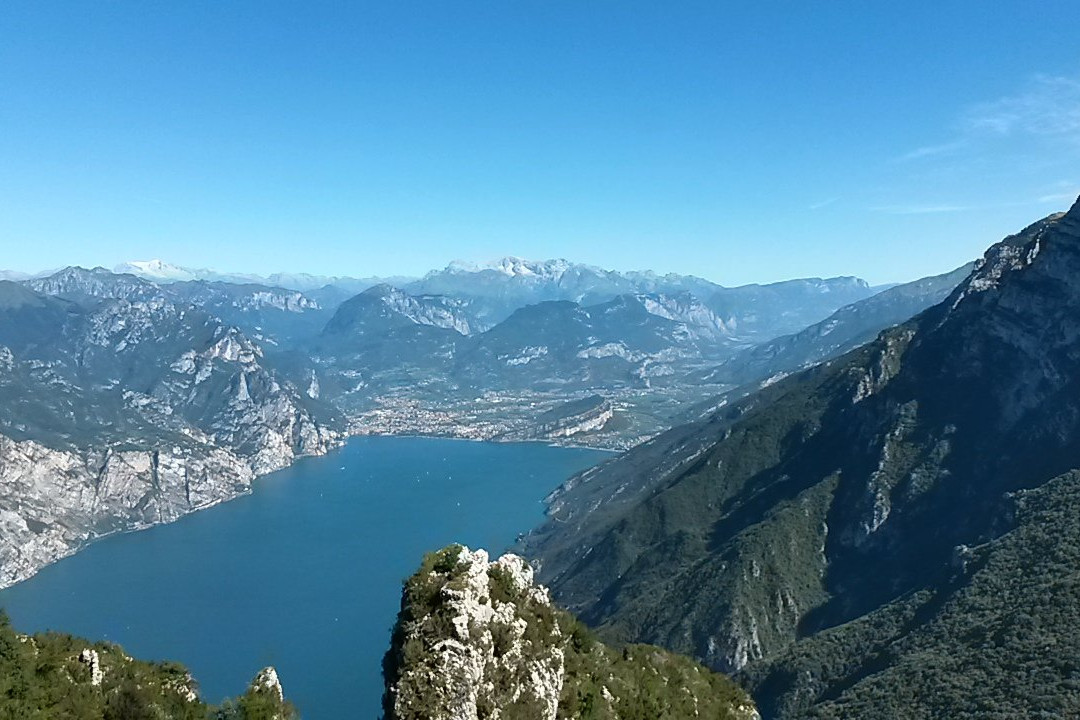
x=303 y=574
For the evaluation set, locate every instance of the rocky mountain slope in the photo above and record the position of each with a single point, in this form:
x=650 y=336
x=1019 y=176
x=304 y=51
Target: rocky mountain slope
x=126 y=402
x=383 y=340
x=383 y=308
x=884 y=530
x=501 y=287
x=120 y=408
x=567 y=420
x=762 y=312
x=758 y=312
x=847 y=328
x=273 y=316
x=627 y=340
x=80 y=284
x=479 y=639
x=52 y=675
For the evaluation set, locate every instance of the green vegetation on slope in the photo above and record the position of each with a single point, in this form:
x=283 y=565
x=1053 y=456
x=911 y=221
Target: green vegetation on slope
x=847 y=539
x=43 y=678
x=483 y=632
x=726 y=560
x=1001 y=640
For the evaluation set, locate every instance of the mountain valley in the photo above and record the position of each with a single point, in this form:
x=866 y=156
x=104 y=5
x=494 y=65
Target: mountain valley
x=130 y=402
x=764 y=472
x=539 y=361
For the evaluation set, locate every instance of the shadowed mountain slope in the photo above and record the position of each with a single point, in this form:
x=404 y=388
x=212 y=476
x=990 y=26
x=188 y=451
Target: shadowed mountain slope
x=843 y=502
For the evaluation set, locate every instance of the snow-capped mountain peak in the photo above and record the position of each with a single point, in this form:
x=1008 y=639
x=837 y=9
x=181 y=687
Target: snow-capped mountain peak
x=159 y=270
x=517 y=267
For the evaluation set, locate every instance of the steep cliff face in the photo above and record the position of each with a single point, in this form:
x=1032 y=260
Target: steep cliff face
x=577 y=417
x=478 y=639
x=53 y=501
x=829 y=519
x=120 y=408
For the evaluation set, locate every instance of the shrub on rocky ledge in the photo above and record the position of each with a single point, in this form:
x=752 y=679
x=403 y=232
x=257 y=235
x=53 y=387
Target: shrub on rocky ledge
x=52 y=675
x=480 y=639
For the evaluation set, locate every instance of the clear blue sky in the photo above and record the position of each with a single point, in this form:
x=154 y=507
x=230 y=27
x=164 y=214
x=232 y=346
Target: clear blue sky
x=742 y=142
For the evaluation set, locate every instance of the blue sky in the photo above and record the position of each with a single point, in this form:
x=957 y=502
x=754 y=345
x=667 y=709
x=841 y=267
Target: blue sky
x=743 y=142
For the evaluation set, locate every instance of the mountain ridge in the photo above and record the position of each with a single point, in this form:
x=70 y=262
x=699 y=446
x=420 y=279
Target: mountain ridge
x=847 y=328
x=119 y=413
x=117 y=377
x=827 y=500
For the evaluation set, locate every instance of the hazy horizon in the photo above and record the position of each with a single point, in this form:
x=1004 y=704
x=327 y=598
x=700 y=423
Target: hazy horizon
x=240 y=273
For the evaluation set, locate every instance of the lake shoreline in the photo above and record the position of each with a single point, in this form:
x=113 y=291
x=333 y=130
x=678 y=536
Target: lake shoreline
x=331 y=534
x=337 y=446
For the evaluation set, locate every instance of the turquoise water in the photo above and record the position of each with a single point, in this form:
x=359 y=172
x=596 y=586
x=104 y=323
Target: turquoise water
x=304 y=574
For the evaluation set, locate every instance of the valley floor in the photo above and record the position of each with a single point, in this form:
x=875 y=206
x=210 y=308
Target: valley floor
x=618 y=421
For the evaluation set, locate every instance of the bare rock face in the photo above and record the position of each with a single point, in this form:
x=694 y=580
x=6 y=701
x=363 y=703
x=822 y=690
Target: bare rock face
x=483 y=662
x=91 y=659
x=480 y=640
x=123 y=408
x=54 y=501
x=268 y=683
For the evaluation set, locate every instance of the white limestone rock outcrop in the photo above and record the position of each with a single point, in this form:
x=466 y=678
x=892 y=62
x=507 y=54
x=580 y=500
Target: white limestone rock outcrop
x=54 y=501
x=92 y=660
x=482 y=661
x=125 y=408
x=267 y=682
x=480 y=640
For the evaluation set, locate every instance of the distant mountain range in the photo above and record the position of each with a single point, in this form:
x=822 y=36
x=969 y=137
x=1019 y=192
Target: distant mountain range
x=858 y=501
x=160 y=271
x=494 y=291
x=891 y=533
x=751 y=313
x=132 y=398
x=498 y=288
x=847 y=328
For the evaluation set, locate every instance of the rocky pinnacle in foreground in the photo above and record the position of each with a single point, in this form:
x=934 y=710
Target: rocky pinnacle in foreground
x=477 y=639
